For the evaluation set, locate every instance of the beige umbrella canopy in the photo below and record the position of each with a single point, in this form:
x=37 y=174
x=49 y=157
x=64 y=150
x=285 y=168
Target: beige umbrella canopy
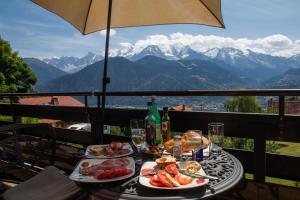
x=89 y=16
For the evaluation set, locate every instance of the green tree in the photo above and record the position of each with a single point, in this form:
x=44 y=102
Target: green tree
x=15 y=74
x=243 y=104
x=248 y=104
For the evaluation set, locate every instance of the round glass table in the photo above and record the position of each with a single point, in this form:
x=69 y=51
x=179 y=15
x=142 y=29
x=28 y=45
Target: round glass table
x=225 y=166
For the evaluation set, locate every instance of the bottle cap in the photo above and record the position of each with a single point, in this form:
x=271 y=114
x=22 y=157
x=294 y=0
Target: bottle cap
x=149 y=103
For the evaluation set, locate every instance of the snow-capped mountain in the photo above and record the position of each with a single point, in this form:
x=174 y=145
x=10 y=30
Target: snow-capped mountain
x=175 y=52
x=151 y=50
x=73 y=64
x=244 y=63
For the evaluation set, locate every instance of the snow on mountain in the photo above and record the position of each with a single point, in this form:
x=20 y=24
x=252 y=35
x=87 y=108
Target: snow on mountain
x=245 y=63
x=73 y=64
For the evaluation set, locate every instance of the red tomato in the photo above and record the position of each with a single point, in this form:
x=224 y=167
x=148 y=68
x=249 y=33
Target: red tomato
x=156 y=183
x=171 y=169
x=161 y=175
x=183 y=180
x=145 y=172
x=200 y=180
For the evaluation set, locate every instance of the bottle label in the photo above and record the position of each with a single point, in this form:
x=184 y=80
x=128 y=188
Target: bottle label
x=199 y=155
x=158 y=135
x=165 y=131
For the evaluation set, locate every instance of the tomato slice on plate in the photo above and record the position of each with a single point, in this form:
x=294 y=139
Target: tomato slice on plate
x=161 y=175
x=171 y=169
x=146 y=172
x=182 y=179
x=156 y=183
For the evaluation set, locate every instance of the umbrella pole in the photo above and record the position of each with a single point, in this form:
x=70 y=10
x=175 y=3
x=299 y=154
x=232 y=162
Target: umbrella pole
x=105 y=80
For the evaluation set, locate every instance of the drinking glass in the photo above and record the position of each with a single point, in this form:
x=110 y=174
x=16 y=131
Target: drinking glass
x=138 y=135
x=215 y=137
x=195 y=141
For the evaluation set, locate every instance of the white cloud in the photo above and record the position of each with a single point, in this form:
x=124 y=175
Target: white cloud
x=279 y=45
x=112 y=32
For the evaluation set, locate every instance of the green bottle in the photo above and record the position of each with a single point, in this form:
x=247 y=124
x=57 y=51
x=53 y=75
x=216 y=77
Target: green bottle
x=150 y=126
x=157 y=122
x=165 y=125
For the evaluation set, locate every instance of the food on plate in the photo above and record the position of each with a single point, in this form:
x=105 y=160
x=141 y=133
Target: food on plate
x=163 y=161
x=153 y=150
x=148 y=172
x=183 y=179
x=106 y=169
x=110 y=150
x=97 y=150
x=166 y=179
x=200 y=180
x=168 y=174
x=112 y=173
x=169 y=145
x=193 y=167
x=156 y=182
x=171 y=169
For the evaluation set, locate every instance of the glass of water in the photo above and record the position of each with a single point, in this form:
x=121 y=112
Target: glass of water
x=194 y=139
x=138 y=135
x=215 y=137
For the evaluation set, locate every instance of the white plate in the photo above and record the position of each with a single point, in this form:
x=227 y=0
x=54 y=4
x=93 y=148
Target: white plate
x=126 y=146
x=76 y=176
x=146 y=181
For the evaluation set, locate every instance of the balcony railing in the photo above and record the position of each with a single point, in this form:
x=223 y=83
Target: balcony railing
x=257 y=126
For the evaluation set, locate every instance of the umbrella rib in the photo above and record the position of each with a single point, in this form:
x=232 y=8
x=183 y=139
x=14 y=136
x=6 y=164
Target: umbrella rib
x=222 y=24
x=87 y=16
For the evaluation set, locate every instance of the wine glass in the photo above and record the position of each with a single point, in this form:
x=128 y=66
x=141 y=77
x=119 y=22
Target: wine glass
x=194 y=139
x=138 y=135
x=215 y=137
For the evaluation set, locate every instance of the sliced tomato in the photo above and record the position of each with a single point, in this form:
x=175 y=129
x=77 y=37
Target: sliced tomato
x=200 y=180
x=182 y=179
x=161 y=175
x=156 y=183
x=146 y=172
x=172 y=169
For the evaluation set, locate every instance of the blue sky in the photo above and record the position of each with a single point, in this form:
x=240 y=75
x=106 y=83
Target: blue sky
x=268 y=26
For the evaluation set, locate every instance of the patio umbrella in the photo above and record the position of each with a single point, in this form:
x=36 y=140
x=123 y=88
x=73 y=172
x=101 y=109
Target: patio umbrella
x=89 y=16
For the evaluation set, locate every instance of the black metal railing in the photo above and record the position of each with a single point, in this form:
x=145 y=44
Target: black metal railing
x=260 y=127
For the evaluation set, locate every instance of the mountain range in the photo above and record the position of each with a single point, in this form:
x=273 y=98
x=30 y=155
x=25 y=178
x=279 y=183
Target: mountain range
x=148 y=73
x=73 y=64
x=43 y=71
x=246 y=64
x=179 y=69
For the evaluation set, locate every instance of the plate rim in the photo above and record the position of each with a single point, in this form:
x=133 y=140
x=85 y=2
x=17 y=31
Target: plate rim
x=93 y=180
